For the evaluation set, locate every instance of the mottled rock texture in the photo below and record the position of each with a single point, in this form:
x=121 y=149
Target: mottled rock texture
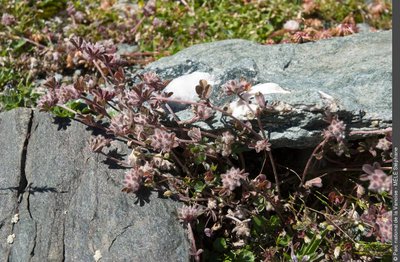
x=355 y=70
x=69 y=199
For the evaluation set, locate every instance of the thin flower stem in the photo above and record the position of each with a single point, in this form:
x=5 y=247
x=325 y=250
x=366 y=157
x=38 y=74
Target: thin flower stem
x=318 y=147
x=254 y=113
x=184 y=168
x=269 y=152
x=234 y=218
x=264 y=162
x=100 y=71
x=176 y=118
x=195 y=253
x=69 y=109
x=330 y=220
x=275 y=174
x=278 y=211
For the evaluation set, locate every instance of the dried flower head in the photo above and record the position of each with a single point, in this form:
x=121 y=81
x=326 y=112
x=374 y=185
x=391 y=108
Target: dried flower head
x=301 y=37
x=225 y=143
x=97 y=143
x=195 y=134
x=235 y=87
x=345 y=29
x=242 y=229
x=233 y=178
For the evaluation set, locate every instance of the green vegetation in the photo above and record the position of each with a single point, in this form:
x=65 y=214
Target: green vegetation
x=32 y=33
x=233 y=213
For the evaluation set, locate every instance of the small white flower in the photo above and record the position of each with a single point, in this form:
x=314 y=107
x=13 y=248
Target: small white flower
x=291 y=25
x=212 y=203
x=336 y=253
x=15 y=219
x=97 y=255
x=10 y=239
x=307 y=240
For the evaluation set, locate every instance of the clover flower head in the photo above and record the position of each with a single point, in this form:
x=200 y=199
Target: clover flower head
x=163 y=141
x=7 y=19
x=233 y=178
x=121 y=124
x=262 y=145
x=48 y=100
x=203 y=112
x=188 y=214
x=379 y=180
x=336 y=130
x=133 y=180
x=67 y=93
x=384 y=222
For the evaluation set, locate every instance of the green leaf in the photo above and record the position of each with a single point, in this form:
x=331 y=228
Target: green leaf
x=199 y=186
x=245 y=256
x=220 y=244
x=283 y=240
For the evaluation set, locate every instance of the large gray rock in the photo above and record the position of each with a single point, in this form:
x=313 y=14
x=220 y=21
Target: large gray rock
x=355 y=70
x=70 y=202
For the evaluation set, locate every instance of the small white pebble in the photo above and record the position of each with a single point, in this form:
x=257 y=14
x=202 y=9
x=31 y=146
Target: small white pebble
x=291 y=25
x=97 y=255
x=184 y=87
x=15 y=219
x=10 y=239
